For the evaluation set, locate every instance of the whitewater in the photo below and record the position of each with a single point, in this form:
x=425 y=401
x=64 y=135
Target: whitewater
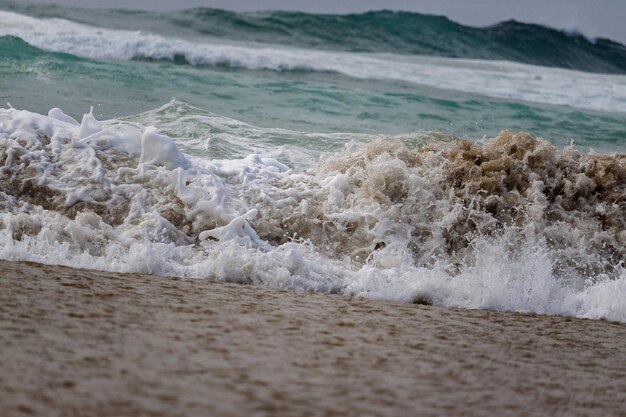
x=370 y=171
x=378 y=220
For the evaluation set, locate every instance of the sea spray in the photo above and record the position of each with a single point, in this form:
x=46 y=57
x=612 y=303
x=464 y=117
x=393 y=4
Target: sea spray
x=508 y=223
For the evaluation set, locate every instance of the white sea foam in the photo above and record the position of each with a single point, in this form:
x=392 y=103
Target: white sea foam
x=377 y=220
x=498 y=79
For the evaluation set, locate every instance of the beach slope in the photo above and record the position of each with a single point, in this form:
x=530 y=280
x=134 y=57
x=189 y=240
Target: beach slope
x=87 y=343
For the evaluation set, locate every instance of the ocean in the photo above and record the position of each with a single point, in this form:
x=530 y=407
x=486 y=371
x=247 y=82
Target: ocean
x=386 y=155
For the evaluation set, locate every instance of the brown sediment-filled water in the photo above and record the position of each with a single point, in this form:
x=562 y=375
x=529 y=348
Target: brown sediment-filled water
x=88 y=343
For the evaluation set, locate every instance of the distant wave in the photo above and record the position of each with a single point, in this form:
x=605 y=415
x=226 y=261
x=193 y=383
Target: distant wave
x=412 y=33
x=497 y=79
x=376 y=31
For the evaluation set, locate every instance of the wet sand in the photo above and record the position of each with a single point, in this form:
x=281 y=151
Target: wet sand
x=85 y=343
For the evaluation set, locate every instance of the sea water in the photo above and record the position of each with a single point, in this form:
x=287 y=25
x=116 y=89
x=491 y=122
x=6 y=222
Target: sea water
x=323 y=153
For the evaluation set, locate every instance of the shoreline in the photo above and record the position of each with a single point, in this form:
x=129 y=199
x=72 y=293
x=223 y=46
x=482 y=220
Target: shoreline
x=91 y=343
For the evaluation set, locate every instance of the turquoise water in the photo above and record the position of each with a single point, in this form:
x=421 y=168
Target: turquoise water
x=270 y=93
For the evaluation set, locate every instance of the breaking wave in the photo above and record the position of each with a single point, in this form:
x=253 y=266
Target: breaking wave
x=411 y=33
x=508 y=223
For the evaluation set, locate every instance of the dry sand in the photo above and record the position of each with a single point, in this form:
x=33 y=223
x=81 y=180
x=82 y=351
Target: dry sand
x=85 y=343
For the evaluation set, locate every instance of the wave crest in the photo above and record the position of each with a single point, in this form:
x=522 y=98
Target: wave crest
x=447 y=196
x=410 y=33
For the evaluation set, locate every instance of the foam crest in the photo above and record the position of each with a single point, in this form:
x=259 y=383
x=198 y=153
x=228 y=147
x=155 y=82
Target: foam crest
x=438 y=199
x=509 y=223
x=498 y=79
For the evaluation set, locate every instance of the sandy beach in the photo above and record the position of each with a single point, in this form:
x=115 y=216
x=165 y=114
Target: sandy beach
x=88 y=343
